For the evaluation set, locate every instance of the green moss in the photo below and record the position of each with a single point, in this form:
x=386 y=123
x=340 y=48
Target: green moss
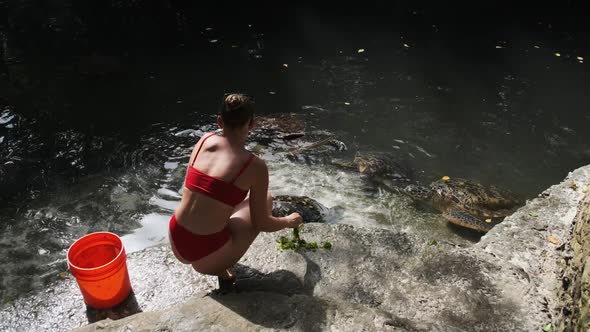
x=7 y=299
x=296 y=242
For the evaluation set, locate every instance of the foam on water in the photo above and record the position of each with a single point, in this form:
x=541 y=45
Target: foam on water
x=153 y=231
x=163 y=203
x=345 y=193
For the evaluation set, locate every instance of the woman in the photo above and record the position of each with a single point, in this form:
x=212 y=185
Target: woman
x=225 y=202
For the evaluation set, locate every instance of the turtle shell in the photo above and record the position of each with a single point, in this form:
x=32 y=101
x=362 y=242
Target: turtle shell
x=309 y=209
x=474 y=198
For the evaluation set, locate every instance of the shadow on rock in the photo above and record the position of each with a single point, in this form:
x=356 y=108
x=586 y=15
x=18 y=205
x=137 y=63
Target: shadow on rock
x=466 y=233
x=128 y=307
x=478 y=304
x=278 y=299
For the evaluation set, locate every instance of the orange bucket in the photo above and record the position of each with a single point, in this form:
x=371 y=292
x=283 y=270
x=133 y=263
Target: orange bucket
x=99 y=264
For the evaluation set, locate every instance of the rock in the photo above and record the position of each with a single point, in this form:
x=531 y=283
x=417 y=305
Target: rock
x=574 y=293
x=309 y=209
x=372 y=279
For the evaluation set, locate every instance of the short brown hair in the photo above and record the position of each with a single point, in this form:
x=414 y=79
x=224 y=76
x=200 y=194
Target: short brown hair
x=237 y=109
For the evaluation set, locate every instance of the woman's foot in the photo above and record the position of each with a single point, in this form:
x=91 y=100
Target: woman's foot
x=226 y=281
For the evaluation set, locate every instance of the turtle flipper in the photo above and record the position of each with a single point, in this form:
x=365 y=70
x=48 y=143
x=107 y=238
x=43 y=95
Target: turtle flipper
x=464 y=219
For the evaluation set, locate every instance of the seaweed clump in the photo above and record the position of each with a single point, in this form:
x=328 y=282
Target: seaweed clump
x=295 y=242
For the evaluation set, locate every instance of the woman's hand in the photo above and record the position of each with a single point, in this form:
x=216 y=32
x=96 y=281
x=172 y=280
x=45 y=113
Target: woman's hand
x=294 y=220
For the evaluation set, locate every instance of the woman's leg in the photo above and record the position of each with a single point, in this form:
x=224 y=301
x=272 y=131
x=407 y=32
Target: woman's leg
x=243 y=234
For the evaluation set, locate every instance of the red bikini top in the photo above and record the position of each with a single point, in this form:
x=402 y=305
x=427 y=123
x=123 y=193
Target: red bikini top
x=225 y=192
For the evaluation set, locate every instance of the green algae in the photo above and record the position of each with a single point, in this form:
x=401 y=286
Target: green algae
x=295 y=242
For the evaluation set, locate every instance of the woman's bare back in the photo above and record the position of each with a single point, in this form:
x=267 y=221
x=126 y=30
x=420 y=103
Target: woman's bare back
x=198 y=212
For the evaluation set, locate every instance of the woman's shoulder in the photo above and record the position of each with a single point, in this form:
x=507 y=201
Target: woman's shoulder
x=210 y=134
x=206 y=136
x=258 y=163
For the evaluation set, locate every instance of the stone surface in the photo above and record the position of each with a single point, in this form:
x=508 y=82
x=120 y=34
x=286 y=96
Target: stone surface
x=574 y=295
x=371 y=280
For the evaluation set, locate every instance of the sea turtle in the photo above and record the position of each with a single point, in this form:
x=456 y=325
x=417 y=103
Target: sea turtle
x=275 y=133
x=379 y=167
x=283 y=126
x=466 y=203
x=309 y=209
x=316 y=148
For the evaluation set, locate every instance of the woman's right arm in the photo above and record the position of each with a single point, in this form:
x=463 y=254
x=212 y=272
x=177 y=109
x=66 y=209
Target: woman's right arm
x=262 y=220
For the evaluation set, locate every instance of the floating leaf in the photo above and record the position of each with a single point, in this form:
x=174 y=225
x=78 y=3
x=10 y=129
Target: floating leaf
x=285 y=65
x=406 y=46
x=446 y=178
x=213 y=41
x=580 y=58
x=533 y=214
x=552 y=239
x=346 y=103
x=488 y=220
x=548 y=328
x=361 y=50
x=574 y=186
x=557 y=54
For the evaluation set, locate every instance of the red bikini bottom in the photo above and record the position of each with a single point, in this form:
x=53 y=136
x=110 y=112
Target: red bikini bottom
x=193 y=247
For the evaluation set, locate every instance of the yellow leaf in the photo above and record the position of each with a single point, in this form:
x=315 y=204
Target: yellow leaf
x=574 y=186
x=446 y=178
x=488 y=220
x=553 y=239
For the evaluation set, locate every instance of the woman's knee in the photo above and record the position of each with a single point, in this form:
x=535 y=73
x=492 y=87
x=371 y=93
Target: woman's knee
x=205 y=269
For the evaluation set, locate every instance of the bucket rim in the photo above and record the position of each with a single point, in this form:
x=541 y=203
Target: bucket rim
x=121 y=252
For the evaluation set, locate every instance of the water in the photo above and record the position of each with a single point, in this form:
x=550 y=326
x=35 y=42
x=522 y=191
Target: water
x=103 y=141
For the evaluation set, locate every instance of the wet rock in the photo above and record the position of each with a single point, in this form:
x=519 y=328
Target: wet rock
x=10 y=175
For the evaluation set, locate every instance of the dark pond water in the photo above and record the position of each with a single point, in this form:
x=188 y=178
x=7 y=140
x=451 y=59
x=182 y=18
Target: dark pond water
x=99 y=141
